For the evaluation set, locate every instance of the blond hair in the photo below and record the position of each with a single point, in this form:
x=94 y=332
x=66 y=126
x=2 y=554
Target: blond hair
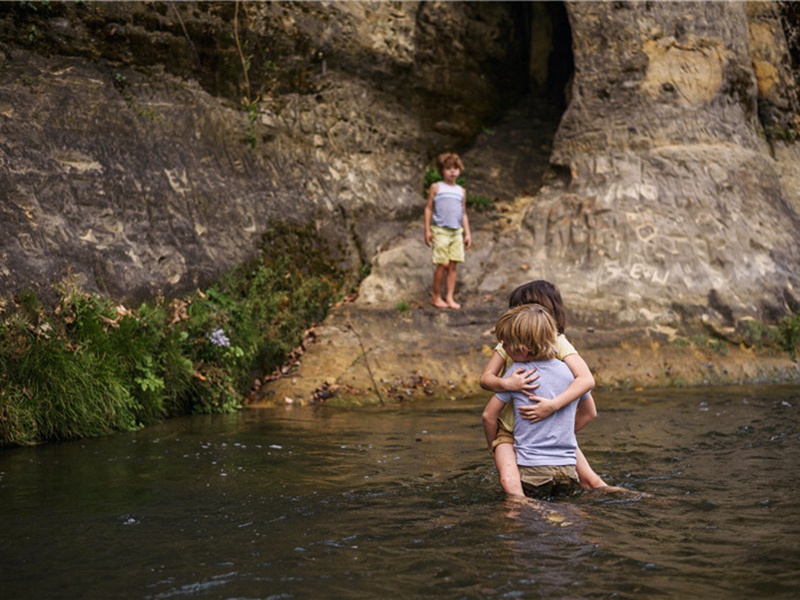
x=528 y=328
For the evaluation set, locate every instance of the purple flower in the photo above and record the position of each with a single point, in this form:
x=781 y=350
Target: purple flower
x=218 y=338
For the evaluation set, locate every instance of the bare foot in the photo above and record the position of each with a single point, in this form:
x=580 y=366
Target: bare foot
x=453 y=304
x=439 y=303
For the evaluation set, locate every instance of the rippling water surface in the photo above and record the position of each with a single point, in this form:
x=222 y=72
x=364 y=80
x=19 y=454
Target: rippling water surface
x=318 y=502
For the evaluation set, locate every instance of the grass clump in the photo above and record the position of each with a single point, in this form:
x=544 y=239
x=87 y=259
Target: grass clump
x=782 y=337
x=790 y=335
x=88 y=366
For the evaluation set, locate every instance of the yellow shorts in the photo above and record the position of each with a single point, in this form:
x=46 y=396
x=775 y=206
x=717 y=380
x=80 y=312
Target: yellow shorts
x=504 y=436
x=447 y=245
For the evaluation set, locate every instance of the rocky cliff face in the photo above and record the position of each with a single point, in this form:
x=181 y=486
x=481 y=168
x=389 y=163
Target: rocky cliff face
x=672 y=205
x=674 y=191
x=148 y=146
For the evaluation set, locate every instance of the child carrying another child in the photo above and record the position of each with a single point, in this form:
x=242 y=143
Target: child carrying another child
x=545 y=450
x=448 y=235
x=522 y=379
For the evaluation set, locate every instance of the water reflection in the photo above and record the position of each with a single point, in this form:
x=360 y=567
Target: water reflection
x=404 y=501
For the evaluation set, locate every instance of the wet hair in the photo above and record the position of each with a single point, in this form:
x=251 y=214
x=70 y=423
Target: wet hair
x=544 y=293
x=447 y=160
x=528 y=327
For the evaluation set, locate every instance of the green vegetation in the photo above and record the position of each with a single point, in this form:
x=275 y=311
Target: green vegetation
x=790 y=335
x=89 y=367
x=474 y=201
x=783 y=337
x=785 y=133
x=251 y=136
x=718 y=345
x=402 y=306
x=479 y=203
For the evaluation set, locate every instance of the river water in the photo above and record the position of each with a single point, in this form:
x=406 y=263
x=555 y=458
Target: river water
x=403 y=502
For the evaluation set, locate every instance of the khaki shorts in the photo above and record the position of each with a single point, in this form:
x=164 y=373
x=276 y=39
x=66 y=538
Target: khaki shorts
x=447 y=245
x=504 y=436
x=547 y=482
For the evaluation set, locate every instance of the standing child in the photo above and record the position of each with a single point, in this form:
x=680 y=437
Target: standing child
x=545 y=450
x=545 y=294
x=447 y=228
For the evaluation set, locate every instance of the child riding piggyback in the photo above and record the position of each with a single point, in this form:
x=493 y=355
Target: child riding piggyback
x=547 y=295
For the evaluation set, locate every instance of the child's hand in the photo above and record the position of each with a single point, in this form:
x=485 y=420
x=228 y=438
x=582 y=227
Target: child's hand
x=428 y=238
x=522 y=381
x=539 y=410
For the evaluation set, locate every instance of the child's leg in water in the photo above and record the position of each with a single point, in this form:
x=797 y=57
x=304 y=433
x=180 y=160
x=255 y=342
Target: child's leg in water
x=505 y=458
x=589 y=479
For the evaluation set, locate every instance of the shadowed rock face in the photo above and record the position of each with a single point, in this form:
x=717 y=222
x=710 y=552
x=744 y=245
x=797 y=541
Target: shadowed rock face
x=148 y=146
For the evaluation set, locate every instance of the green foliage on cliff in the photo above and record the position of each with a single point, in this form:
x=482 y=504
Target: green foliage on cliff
x=790 y=335
x=89 y=367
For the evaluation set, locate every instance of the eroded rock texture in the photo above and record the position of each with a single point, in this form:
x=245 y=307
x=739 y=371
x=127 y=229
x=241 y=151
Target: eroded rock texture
x=147 y=146
x=675 y=202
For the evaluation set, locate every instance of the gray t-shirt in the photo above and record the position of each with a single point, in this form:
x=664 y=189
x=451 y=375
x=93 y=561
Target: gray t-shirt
x=550 y=442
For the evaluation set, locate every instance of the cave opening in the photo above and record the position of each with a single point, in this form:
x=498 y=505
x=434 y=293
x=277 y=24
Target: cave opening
x=550 y=63
x=512 y=155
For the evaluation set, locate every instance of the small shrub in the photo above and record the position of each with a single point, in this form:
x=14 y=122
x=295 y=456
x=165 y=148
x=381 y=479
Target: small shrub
x=89 y=367
x=719 y=346
x=790 y=334
x=250 y=138
x=762 y=336
x=786 y=133
x=681 y=342
x=479 y=203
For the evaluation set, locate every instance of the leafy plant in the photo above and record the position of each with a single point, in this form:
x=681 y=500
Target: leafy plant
x=33 y=34
x=790 y=334
x=122 y=85
x=479 y=203
x=89 y=366
x=251 y=137
x=786 y=133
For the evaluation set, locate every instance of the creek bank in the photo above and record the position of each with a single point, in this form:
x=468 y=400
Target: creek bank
x=90 y=366
x=368 y=355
